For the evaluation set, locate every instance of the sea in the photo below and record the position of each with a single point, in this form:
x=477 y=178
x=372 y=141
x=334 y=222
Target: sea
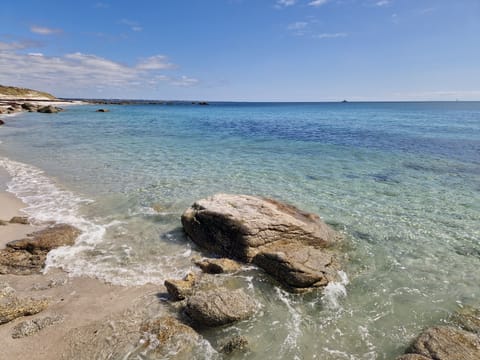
x=400 y=181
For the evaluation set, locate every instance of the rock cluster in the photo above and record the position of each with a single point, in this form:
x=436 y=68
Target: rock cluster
x=12 y=307
x=15 y=107
x=27 y=256
x=286 y=242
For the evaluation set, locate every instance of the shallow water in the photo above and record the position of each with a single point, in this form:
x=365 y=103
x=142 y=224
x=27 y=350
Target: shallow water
x=400 y=180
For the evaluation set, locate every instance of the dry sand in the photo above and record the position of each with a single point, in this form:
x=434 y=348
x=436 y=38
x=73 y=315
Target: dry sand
x=85 y=304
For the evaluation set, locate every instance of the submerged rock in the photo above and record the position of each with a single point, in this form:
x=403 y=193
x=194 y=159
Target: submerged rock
x=219 y=307
x=31 y=327
x=285 y=241
x=180 y=289
x=447 y=343
x=12 y=307
x=218 y=266
x=468 y=318
x=234 y=344
x=27 y=256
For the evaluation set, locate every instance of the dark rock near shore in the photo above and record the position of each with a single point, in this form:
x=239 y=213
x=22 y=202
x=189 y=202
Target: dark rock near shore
x=12 y=307
x=49 y=109
x=102 y=110
x=29 y=107
x=287 y=242
x=446 y=343
x=219 y=307
x=31 y=327
x=27 y=256
x=218 y=266
x=299 y=268
x=19 y=220
x=180 y=289
x=2 y=122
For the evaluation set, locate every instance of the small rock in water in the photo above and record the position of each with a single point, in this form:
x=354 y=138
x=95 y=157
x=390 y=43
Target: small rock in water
x=180 y=289
x=2 y=122
x=236 y=343
x=103 y=110
x=219 y=307
x=31 y=327
x=218 y=266
x=19 y=220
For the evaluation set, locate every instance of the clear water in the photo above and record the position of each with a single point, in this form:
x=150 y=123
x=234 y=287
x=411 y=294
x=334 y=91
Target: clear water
x=400 y=180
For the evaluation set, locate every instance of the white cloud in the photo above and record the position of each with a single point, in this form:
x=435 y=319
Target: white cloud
x=383 y=2
x=134 y=26
x=75 y=71
x=285 y=3
x=101 y=5
x=299 y=25
x=157 y=62
x=317 y=3
x=44 y=30
x=330 y=35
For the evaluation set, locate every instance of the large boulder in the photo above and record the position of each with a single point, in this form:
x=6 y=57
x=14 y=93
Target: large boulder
x=219 y=307
x=238 y=226
x=49 y=109
x=285 y=241
x=27 y=256
x=446 y=343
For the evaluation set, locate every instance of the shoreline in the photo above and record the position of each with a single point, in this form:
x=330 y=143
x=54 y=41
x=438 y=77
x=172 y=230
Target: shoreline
x=79 y=303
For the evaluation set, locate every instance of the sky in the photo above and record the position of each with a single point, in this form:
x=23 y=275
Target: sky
x=243 y=50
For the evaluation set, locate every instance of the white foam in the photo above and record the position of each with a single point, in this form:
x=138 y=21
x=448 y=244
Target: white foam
x=46 y=202
x=335 y=291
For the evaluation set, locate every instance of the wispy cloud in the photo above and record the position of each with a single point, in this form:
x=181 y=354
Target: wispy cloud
x=157 y=62
x=285 y=3
x=101 y=5
x=330 y=35
x=134 y=26
x=317 y=3
x=18 y=45
x=383 y=2
x=42 y=30
x=299 y=25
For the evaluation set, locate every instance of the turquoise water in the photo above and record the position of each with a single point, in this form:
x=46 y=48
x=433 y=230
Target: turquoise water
x=400 y=180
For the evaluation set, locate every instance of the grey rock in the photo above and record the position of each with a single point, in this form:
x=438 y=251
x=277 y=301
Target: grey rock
x=219 y=307
x=49 y=109
x=447 y=343
x=31 y=327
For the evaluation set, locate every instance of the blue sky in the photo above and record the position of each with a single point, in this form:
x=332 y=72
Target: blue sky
x=244 y=50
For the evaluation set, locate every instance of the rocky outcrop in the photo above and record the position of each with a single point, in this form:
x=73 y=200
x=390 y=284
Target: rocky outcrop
x=31 y=327
x=285 y=241
x=445 y=343
x=49 y=109
x=218 y=266
x=180 y=289
x=298 y=267
x=27 y=256
x=219 y=307
x=12 y=307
